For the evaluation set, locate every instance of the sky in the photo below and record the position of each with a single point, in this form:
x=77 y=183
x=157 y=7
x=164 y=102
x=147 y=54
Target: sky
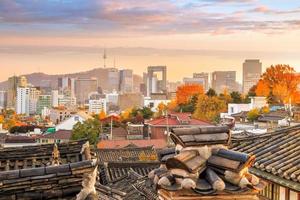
x=65 y=36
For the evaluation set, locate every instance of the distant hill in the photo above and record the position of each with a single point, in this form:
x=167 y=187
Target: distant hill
x=43 y=80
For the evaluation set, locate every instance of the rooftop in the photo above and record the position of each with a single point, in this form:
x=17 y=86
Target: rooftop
x=58 y=135
x=113 y=144
x=277 y=155
x=176 y=119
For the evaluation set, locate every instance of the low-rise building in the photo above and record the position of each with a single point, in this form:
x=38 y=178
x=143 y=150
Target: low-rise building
x=60 y=136
x=153 y=103
x=96 y=106
x=70 y=122
x=159 y=127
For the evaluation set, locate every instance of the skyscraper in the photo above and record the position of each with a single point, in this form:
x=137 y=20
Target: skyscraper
x=23 y=96
x=33 y=99
x=12 y=91
x=156 y=83
x=224 y=80
x=252 y=70
x=113 y=79
x=198 y=78
x=83 y=87
x=126 y=80
x=66 y=86
x=3 y=99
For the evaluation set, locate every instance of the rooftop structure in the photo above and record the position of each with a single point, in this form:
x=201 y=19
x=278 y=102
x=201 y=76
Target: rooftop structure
x=277 y=157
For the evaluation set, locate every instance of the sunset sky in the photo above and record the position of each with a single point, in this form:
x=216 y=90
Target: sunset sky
x=64 y=36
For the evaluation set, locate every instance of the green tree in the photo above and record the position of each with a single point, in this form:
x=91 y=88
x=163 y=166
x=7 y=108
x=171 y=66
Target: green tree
x=211 y=92
x=209 y=108
x=236 y=97
x=145 y=112
x=253 y=114
x=89 y=129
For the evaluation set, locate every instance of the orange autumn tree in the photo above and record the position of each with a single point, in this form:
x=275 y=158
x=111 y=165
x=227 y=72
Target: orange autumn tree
x=185 y=92
x=172 y=105
x=282 y=82
x=262 y=89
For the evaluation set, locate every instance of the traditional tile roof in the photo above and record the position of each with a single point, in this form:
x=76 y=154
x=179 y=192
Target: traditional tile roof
x=131 y=154
x=113 y=171
x=18 y=139
x=273 y=116
x=39 y=155
x=51 y=182
x=113 y=144
x=119 y=181
x=58 y=135
x=203 y=167
x=242 y=114
x=176 y=119
x=277 y=155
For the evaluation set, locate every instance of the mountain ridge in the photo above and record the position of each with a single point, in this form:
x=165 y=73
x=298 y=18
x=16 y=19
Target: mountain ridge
x=40 y=79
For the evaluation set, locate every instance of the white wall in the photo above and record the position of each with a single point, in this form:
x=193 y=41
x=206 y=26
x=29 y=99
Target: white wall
x=148 y=101
x=68 y=124
x=236 y=108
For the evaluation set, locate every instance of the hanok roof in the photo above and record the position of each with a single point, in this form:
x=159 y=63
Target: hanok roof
x=126 y=181
x=201 y=135
x=19 y=139
x=241 y=114
x=273 y=116
x=277 y=155
x=58 y=135
x=176 y=119
x=113 y=171
x=51 y=182
x=113 y=144
x=39 y=155
x=127 y=154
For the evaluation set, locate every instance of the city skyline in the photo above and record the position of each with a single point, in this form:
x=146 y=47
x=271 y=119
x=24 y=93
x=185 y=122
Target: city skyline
x=68 y=36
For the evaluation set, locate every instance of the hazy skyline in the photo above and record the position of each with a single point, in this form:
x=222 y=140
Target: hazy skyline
x=64 y=36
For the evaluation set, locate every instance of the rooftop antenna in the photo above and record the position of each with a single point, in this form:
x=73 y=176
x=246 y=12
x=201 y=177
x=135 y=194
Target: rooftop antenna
x=104 y=58
x=114 y=62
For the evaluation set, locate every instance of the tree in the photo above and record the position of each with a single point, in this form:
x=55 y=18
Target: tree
x=276 y=74
x=262 y=89
x=211 y=92
x=253 y=114
x=282 y=82
x=225 y=96
x=89 y=129
x=281 y=92
x=265 y=110
x=138 y=115
x=161 y=108
x=236 y=97
x=126 y=114
x=185 y=92
x=102 y=115
x=172 y=105
x=209 y=108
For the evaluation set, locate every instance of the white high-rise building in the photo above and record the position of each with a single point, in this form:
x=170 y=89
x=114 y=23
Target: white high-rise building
x=33 y=99
x=54 y=98
x=22 y=102
x=112 y=98
x=3 y=99
x=96 y=106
